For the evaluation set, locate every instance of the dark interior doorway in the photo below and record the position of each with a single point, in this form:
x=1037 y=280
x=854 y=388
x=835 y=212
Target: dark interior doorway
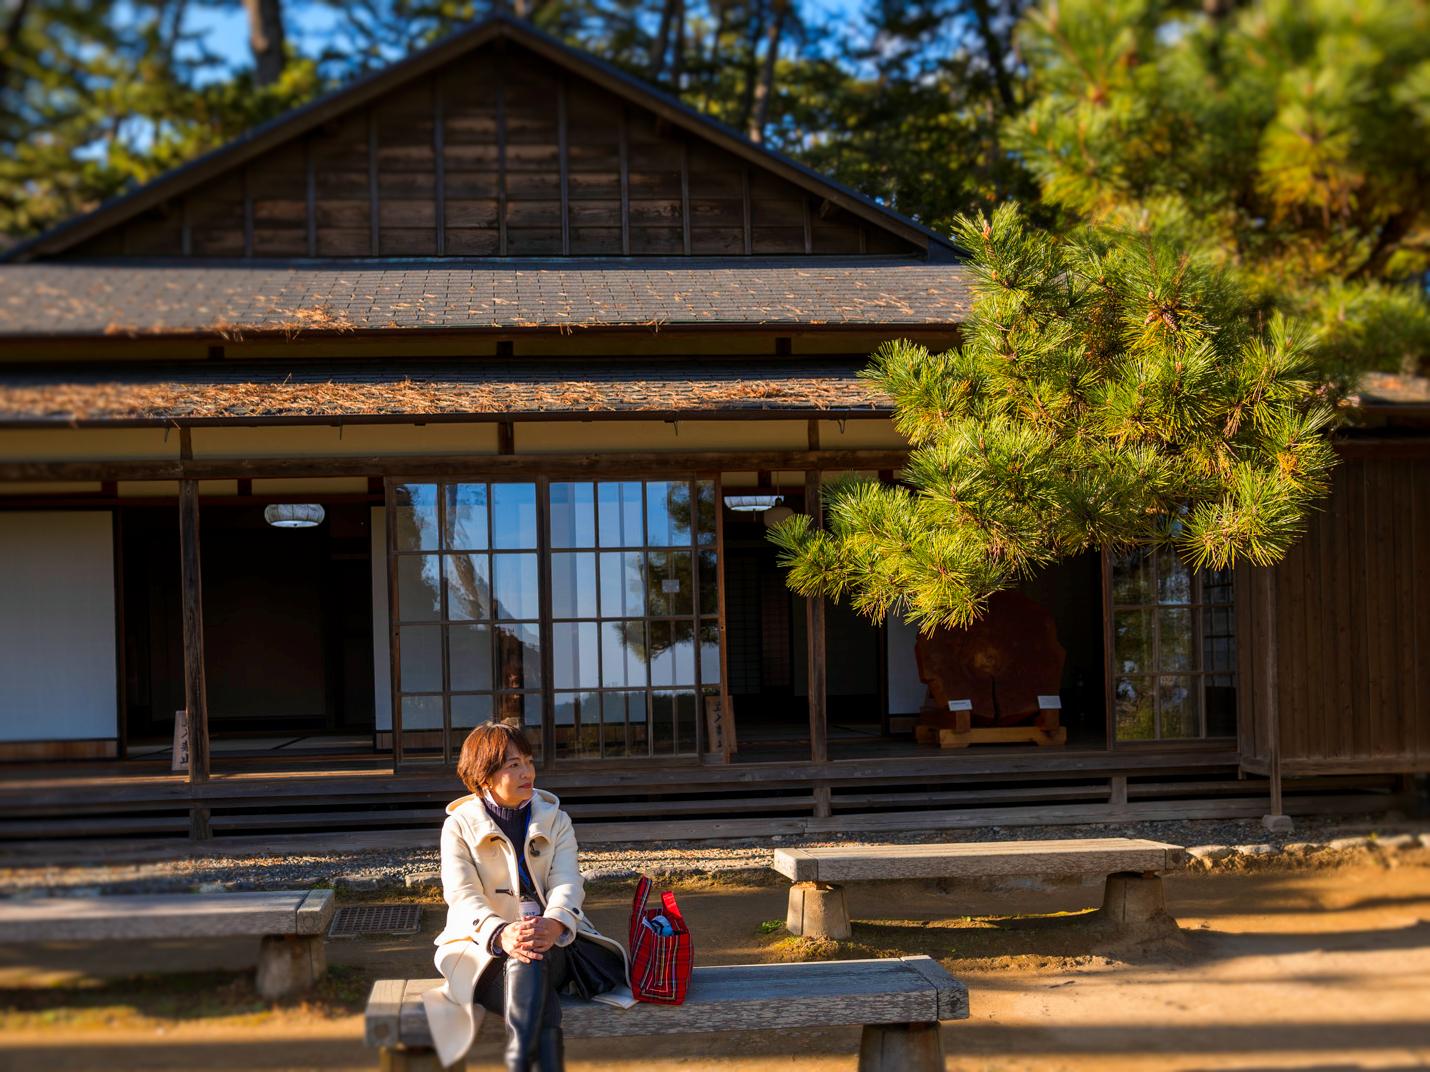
x=767 y=660
x=287 y=627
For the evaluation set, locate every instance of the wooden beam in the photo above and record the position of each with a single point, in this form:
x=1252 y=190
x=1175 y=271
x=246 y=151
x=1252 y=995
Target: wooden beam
x=40 y=790
x=247 y=211
x=310 y=187
x=808 y=226
x=816 y=683
x=1386 y=448
x=685 y=196
x=373 y=200
x=546 y=612
x=186 y=229
x=745 y=209
x=625 y=155
x=439 y=165
x=563 y=165
x=121 y=699
x=501 y=158
x=731 y=744
x=191 y=598
x=1273 y=705
x=394 y=639
x=447 y=465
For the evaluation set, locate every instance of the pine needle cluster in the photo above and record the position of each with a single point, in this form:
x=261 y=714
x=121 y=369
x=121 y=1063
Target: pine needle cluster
x=1111 y=390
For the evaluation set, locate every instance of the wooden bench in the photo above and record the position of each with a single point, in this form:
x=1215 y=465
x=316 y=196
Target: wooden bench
x=291 y=925
x=899 y=1002
x=1132 y=868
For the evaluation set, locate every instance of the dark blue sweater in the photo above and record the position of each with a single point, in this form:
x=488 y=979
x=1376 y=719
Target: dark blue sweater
x=512 y=822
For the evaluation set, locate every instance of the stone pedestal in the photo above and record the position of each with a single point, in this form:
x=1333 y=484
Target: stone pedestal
x=419 y=1060
x=901 y=1048
x=289 y=964
x=817 y=910
x=1278 y=824
x=1133 y=898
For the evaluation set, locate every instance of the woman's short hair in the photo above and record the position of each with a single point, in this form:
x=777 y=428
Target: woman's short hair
x=484 y=751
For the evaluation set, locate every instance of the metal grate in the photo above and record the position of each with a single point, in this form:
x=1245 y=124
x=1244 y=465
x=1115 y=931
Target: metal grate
x=375 y=919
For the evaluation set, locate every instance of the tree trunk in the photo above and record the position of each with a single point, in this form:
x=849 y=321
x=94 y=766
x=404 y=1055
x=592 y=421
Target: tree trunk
x=756 y=29
x=661 y=45
x=997 y=55
x=677 y=70
x=265 y=35
x=759 y=113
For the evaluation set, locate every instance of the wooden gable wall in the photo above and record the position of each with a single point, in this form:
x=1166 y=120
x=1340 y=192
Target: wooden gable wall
x=500 y=153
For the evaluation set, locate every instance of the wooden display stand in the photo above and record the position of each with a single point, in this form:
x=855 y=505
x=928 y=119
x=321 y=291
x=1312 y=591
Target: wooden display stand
x=1045 y=729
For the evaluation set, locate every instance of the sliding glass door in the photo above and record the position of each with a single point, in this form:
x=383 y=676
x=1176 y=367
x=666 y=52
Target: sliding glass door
x=585 y=610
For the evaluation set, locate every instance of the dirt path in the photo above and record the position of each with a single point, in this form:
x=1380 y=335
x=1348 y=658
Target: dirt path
x=1321 y=970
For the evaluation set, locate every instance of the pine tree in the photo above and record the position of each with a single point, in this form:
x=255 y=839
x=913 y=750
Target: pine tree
x=1285 y=137
x=1112 y=390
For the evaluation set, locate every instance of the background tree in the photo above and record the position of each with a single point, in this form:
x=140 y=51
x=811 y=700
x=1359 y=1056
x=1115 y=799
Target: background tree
x=95 y=98
x=1286 y=138
x=1114 y=391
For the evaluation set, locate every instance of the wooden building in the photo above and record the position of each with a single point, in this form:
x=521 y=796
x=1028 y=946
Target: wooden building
x=544 y=344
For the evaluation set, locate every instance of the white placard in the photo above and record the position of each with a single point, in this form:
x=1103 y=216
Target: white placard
x=181 y=742
x=960 y=705
x=670 y=584
x=1050 y=703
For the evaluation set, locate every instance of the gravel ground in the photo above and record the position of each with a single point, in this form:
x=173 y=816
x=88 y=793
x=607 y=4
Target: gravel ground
x=746 y=859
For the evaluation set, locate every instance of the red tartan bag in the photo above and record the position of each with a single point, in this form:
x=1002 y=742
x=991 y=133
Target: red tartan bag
x=660 y=964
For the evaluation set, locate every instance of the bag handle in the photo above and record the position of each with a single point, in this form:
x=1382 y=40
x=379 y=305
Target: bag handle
x=638 y=908
x=672 y=910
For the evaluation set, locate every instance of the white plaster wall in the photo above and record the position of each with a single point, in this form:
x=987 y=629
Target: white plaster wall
x=906 y=691
x=381 y=663
x=57 y=645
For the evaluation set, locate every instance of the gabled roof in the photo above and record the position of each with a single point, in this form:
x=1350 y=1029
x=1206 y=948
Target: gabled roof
x=63 y=299
x=363 y=91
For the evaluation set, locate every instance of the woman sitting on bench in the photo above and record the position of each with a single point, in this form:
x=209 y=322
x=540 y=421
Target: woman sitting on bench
x=513 y=916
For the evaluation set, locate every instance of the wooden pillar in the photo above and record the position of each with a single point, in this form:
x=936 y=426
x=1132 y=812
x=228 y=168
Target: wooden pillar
x=191 y=597
x=1276 y=819
x=814 y=612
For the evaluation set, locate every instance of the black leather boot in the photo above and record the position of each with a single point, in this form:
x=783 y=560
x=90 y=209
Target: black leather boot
x=525 y=1000
x=549 y=1052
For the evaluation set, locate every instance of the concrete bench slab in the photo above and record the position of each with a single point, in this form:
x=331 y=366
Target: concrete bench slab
x=899 y=1002
x=817 y=906
x=290 y=923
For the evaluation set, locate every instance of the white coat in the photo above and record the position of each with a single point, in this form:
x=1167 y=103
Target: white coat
x=481 y=888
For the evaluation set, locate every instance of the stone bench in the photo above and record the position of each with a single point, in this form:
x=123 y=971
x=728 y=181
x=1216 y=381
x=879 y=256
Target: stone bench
x=290 y=924
x=1133 y=869
x=899 y=1002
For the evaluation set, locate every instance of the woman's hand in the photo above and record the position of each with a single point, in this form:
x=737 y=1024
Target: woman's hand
x=516 y=940
x=527 y=939
x=545 y=931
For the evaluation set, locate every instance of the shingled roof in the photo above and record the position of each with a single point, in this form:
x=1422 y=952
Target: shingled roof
x=69 y=299
x=202 y=392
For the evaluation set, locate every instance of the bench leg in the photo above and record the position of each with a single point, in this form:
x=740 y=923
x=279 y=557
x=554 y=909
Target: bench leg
x=901 y=1048
x=817 y=910
x=1132 y=897
x=392 y=1059
x=289 y=964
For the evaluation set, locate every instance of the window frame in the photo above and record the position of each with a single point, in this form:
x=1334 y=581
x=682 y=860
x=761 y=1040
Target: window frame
x=1197 y=605
x=545 y=552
